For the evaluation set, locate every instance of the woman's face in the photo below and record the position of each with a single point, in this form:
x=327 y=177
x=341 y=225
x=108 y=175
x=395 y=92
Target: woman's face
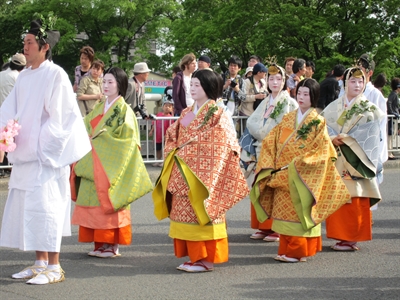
x=110 y=86
x=197 y=91
x=303 y=98
x=96 y=72
x=355 y=87
x=191 y=67
x=275 y=83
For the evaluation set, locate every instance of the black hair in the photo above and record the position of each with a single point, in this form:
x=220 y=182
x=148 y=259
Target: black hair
x=235 y=60
x=41 y=43
x=394 y=84
x=5 y=66
x=314 y=88
x=210 y=81
x=311 y=64
x=380 y=80
x=298 y=65
x=14 y=66
x=176 y=69
x=256 y=57
x=366 y=62
x=338 y=70
x=121 y=78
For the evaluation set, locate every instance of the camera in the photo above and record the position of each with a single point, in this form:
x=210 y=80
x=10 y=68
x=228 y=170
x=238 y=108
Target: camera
x=233 y=84
x=139 y=108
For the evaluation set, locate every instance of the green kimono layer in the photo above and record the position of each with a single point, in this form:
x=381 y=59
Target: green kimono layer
x=113 y=174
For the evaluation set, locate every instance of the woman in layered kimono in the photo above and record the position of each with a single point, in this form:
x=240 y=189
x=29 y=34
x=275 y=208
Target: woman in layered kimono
x=354 y=127
x=201 y=177
x=267 y=115
x=112 y=175
x=297 y=184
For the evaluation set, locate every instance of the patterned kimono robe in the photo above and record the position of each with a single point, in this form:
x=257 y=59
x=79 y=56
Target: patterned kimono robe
x=359 y=161
x=260 y=123
x=304 y=194
x=113 y=174
x=201 y=178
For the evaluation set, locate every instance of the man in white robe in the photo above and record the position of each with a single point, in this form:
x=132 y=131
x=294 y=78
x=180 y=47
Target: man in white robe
x=52 y=136
x=375 y=96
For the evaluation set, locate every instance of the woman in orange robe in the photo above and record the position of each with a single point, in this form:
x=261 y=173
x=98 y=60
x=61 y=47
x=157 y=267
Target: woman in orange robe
x=354 y=127
x=297 y=183
x=201 y=177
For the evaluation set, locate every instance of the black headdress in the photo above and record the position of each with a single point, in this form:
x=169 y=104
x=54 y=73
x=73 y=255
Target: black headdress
x=41 y=32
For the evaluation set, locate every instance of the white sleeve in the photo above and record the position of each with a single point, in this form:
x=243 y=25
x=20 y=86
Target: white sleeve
x=63 y=138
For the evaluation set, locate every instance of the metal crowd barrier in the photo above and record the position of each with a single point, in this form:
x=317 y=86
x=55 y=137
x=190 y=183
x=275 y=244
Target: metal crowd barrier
x=394 y=139
x=148 y=143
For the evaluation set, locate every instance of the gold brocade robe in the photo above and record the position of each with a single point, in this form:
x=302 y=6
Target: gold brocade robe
x=201 y=178
x=300 y=197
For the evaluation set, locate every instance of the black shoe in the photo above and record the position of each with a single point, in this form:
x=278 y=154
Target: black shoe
x=392 y=158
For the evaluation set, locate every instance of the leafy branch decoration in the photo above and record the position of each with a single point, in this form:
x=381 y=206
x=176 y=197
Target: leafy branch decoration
x=359 y=109
x=278 y=109
x=117 y=111
x=305 y=129
x=213 y=108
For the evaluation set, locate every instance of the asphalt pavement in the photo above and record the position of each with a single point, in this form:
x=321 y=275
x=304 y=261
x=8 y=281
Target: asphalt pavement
x=146 y=269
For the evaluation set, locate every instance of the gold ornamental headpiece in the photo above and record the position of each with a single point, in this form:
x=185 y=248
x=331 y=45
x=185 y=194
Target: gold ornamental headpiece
x=356 y=72
x=273 y=70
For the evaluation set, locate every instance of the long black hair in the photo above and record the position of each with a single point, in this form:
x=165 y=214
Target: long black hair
x=210 y=81
x=121 y=78
x=314 y=88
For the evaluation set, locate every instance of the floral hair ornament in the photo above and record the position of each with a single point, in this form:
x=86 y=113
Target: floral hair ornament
x=41 y=28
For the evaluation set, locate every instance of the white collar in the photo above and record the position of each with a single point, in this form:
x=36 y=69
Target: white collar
x=197 y=109
x=108 y=105
x=348 y=103
x=272 y=99
x=300 y=115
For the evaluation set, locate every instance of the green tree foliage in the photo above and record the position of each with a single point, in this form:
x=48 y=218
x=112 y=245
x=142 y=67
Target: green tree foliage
x=325 y=31
x=111 y=27
x=11 y=29
x=387 y=60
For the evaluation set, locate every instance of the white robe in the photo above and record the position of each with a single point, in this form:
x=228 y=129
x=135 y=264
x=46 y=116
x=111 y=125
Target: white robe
x=52 y=136
x=332 y=113
x=375 y=96
x=259 y=126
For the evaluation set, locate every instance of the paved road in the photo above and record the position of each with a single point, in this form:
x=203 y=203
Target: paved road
x=146 y=269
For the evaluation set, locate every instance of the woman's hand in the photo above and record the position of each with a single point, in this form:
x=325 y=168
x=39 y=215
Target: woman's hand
x=338 y=141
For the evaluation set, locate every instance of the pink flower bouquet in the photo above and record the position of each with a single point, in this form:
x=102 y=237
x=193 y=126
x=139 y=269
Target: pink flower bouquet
x=7 y=136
